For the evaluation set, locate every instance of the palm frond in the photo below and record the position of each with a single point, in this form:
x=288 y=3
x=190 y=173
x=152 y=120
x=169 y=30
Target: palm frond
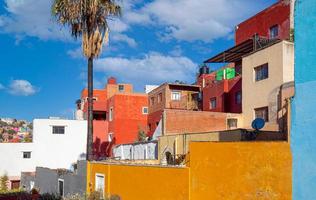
x=87 y=18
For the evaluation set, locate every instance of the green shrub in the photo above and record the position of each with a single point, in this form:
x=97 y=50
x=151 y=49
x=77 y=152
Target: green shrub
x=3 y=183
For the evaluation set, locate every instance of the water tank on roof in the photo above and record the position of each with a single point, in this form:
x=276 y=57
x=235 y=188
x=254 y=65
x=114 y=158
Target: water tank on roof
x=204 y=69
x=112 y=80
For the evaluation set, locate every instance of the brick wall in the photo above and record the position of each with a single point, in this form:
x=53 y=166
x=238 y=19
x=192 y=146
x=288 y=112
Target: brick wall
x=182 y=121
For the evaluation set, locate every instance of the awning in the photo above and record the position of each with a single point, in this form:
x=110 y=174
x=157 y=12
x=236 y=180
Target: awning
x=233 y=54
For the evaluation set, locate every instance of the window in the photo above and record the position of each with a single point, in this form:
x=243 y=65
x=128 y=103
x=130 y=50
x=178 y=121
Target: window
x=111 y=114
x=159 y=97
x=152 y=100
x=262 y=113
x=238 y=97
x=110 y=137
x=262 y=72
x=58 y=129
x=99 y=184
x=232 y=123
x=176 y=96
x=145 y=110
x=26 y=154
x=213 y=103
x=121 y=88
x=61 y=187
x=274 y=31
x=32 y=183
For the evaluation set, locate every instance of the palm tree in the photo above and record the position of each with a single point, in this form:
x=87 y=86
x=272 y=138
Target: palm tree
x=87 y=19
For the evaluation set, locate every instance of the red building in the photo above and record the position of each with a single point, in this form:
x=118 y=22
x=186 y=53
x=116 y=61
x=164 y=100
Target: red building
x=269 y=25
x=118 y=115
x=220 y=95
x=273 y=22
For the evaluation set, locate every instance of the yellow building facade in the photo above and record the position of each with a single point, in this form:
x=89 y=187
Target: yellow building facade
x=215 y=170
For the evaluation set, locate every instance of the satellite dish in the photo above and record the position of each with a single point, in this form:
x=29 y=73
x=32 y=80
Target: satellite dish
x=258 y=123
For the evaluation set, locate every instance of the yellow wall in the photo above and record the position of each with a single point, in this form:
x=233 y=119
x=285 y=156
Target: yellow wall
x=280 y=58
x=141 y=182
x=216 y=170
x=240 y=170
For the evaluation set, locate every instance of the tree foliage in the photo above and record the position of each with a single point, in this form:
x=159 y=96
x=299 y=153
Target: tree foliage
x=87 y=18
x=3 y=183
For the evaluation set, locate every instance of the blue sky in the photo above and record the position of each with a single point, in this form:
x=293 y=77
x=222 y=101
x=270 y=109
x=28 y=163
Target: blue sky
x=42 y=71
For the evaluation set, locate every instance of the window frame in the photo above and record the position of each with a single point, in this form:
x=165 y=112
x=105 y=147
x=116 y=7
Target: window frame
x=54 y=127
x=26 y=153
x=232 y=119
x=238 y=100
x=259 y=72
x=159 y=98
x=272 y=30
x=266 y=114
x=152 y=101
x=143 y=110
x=121 y=89
x=213 y=99
x=95 y=183
x=58 y=185
x=175 y=92
x=111 y=113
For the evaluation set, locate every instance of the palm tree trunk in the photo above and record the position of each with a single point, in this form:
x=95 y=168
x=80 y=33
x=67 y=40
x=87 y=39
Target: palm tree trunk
x=90 y=110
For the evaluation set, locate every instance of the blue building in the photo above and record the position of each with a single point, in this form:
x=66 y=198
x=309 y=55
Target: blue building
x=303 y=134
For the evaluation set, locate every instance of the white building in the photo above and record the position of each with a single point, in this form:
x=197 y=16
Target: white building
x=57 y=143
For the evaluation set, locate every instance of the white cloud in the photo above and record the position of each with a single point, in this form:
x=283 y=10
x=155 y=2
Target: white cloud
x=75 y=53
x=176 y=51
x=124 y=38
x=192 y=20
x=153 y=68
x=31 y=18
x=187 y=20
x=22 y=88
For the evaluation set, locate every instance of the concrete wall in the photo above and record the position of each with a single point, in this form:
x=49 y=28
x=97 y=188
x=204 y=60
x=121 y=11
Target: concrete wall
x=256 y=94
x=46 y=180
x=141 y=182
x=179 y=144
x=303 y=141
x=244 y=170
x=184 y=121
x=256 y=170
x=47 y=149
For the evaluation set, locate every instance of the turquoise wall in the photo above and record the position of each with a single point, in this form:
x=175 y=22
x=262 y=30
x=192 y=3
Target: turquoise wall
x=303 y=134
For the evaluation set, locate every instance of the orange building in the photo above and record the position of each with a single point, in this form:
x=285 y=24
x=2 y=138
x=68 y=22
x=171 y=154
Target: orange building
x=118 y=115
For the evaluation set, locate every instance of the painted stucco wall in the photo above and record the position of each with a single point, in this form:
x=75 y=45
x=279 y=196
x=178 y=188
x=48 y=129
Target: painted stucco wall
x=47 y=149
x=280 y=59
x=303 y=141
x=141 y=182
x=216 y=170
x=277 y=14
x=240 y=170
